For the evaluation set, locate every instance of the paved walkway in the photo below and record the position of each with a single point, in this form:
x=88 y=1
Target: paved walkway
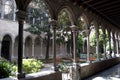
x=109 y=74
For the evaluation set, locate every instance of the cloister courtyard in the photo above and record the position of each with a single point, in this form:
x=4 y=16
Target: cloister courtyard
x=59 y=39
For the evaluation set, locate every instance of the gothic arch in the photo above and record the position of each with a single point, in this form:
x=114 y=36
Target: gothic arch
x=69 y=12
x=85 y=20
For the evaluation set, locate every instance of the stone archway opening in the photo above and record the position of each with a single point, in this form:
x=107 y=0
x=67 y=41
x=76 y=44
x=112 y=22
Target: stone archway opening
x=38 y=50
x=6 y=47
x=16 y=47
x=28 y=47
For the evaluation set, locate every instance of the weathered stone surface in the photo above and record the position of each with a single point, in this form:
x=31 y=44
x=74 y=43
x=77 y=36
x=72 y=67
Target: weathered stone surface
x=96 y=67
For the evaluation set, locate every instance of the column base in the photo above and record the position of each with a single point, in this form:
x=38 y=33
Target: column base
x=75 y=72
x=21 y=76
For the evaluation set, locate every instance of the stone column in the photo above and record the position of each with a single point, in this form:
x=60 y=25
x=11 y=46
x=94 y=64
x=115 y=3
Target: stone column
x=24 y=50
x=0 y=47
x=97 y=45
x=21 y=17
x=117 y=46
x=12 y=50
x=83 y=47
x=33 y=47
x=74 y=70
x=88 y=45
x=110 y=51
x=41 y=48
x=114 y=45
x=54 y=24
x=14 y=15
x=3 y=10
x=104 y=44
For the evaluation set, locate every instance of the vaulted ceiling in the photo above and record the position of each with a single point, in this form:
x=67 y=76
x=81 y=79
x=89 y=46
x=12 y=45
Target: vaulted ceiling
x=108 y=9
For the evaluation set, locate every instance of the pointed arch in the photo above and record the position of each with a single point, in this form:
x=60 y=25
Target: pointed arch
x=85 y=19
x=69 y=12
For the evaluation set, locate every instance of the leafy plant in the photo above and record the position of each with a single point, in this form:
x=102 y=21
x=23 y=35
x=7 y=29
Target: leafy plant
x=5 y=68
x=64 y=67
x=31 y=65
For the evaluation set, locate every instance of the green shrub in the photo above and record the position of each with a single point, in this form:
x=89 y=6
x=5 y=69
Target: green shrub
x=64 y=67
x=14 y=70
x=5 y=68
x=31 y=65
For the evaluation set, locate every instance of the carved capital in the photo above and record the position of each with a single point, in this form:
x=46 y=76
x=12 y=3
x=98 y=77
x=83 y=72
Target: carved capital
x=87 y=32
x=21 y=15
x=53 y=23
x=74 y=28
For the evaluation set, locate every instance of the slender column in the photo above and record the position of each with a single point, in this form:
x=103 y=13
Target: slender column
x=41 y=47
x=110 y=51
x=12 y=50
x=54 y=24
x=33 y=47
x=21 y=17
x=97 y=45
x=0 y=47
x=114 y=45
x=74 y=69
x=83 y=45
x=88 y=45
x=117 y=46
x=104 y=44
x=3 y=10
x=23 y=49
x=74 y=43
x=14 y=15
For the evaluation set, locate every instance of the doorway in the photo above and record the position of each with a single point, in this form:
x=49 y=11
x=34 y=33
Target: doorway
x=6 y=47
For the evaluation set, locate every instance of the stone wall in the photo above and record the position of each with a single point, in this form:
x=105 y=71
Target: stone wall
x=52 y=76
x=93 y=68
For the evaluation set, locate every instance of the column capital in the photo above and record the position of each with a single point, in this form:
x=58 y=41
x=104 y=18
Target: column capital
x=74 y=28
x=21 y=15
x=53 y=23
x=87 y=31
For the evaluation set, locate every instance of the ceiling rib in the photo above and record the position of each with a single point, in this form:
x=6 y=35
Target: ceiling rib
x=109 y=8
x=108 y=4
